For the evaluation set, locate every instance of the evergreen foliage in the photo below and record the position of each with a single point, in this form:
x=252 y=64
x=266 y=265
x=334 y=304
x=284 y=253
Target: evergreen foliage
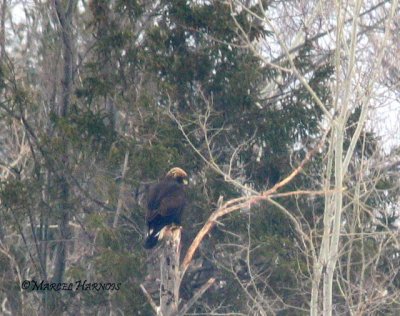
x=135 y=66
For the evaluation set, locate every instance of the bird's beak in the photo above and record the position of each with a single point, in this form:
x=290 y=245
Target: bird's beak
x=185 y=181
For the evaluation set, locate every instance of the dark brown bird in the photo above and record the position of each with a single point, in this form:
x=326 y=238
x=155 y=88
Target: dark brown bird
x=166 y=201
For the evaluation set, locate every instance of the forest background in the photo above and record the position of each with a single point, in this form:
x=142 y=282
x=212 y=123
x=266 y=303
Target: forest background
x=289 y=107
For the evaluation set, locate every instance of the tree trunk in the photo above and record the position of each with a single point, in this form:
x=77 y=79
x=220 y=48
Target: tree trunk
x=171 y=276
x=3 y=30
x=65 y=16
x=170 y=272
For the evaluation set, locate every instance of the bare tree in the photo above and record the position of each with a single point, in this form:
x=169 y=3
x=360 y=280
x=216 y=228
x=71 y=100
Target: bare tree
x=349 y=180
x=351 y=68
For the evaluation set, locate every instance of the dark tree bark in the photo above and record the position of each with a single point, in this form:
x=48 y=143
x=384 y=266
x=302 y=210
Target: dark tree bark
x=65 y=16
x=65 y=19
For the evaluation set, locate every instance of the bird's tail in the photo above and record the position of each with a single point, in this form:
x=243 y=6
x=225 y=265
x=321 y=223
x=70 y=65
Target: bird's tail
x=151 y=239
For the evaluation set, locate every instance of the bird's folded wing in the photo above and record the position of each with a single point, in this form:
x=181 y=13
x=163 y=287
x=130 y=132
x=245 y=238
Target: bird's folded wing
x=172 y=204
x=164 y=199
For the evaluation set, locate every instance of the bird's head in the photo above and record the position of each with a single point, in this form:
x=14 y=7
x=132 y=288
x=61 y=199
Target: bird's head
x=179 y=175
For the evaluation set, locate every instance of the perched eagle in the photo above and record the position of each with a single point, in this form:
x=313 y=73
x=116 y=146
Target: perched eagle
x=165 y=204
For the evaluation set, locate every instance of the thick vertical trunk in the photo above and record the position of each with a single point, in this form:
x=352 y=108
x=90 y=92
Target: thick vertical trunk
x=64 y=15
x=338 y=208
x=65 y=233
x=3 y=29
x=65 y=18
x=320 y=261
x=170 y=273
x=171 y=276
